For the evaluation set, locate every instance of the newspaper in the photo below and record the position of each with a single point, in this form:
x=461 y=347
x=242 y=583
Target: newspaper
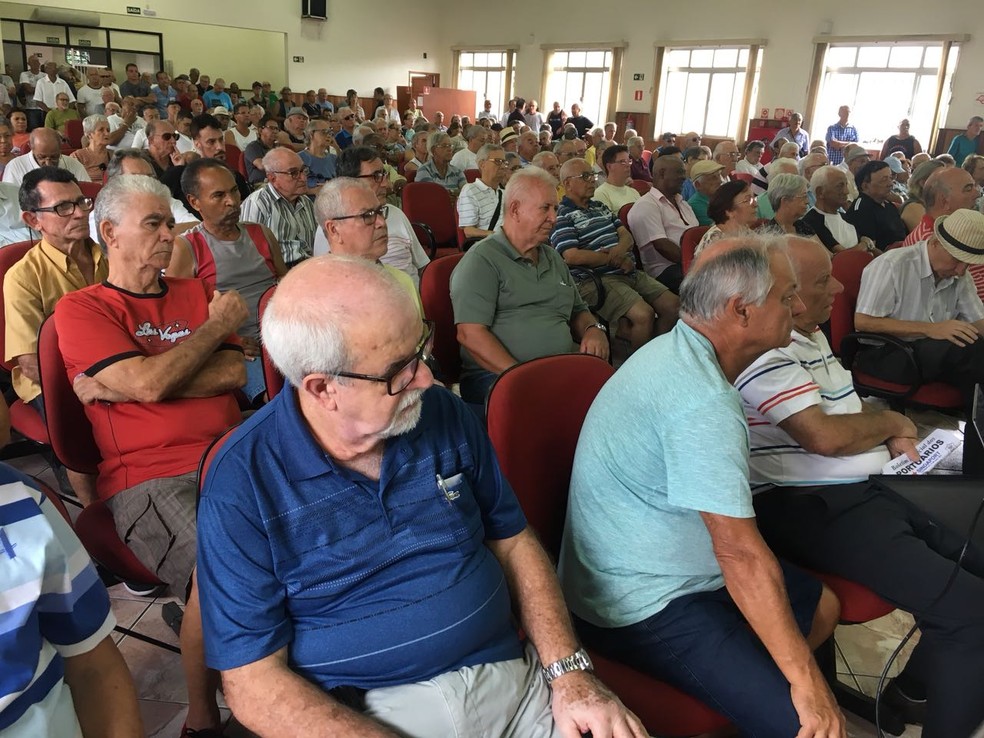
x=932 y=450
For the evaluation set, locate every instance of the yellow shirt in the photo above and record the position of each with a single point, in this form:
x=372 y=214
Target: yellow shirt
x=404 y=279
x=589 y=156
x=30 y=290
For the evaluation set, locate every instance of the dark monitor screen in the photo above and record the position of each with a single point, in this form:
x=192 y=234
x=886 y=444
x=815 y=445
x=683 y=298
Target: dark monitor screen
x=973 y=461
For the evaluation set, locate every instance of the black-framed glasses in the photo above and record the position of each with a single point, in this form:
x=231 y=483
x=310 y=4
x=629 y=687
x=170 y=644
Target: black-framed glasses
x=293 y=172
x=66 y=208
x=378 y=176
x=368 y=216
x=401 y=375
x=169 y=136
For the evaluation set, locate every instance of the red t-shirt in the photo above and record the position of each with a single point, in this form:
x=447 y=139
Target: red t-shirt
x=138 y=441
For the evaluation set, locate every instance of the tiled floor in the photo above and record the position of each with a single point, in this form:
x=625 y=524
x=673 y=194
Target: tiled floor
x=863 y=650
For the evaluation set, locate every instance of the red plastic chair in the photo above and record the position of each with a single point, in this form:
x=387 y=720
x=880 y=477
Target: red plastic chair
x=647 y=156
x=688 y=245
x=271 y=375
x=410 y=174
x=537 y=462
x=23 y=418
x=235 y=159
x=75 y=447
x=743 y=176
x=435 y=294
x=73 y=133
x=472 y=174
x=429 y=208
x=847 y=269
x=641 y=186
x=623 y=213
x=91 y=189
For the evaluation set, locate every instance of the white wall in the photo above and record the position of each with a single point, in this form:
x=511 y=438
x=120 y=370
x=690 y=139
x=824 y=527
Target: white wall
x=361 y=45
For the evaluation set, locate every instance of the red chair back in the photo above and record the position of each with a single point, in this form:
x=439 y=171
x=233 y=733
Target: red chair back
x=647 y=156
x=688 y=245
x=209 y=455
x=435 y=294
x=641 y=186
x=429 y=203
x=73 y=132
x=410 y=174
x=91 y=189
x=538 y=461
x=9 y=255
x=271 y=375
x=235 y=160
x=847 y=267
x=743 y=176
x=472 y=174
x=623 y=213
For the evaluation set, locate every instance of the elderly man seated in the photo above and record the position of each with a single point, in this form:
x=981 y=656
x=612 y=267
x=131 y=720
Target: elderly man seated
x=639 y=169
x=617 y=190
x=872 y=214
x=45 y=152
x=814 y=445
x=727 y=155
x=514 y=298
x=397 y=619
x=707 y=176
x=924 y=295
x=663 y=565
x=283 y=206
x=467 y=158
x=438 y=167
x=480 y=202
x=589 y=236
x=829 y=187
x=944 y=192
x=155 y=360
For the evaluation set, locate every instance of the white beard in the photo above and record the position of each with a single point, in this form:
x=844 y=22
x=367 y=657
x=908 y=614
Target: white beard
x=403 y=422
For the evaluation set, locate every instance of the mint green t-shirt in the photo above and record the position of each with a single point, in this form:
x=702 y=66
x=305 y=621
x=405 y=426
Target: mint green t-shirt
x=664 y=440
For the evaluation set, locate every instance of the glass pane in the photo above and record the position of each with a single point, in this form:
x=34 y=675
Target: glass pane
x=675 y=57
x=921 y=111
x=596 y=59
x=738 y=116
x=725 y=58
x=10 y=32
x=883 y=100
x=719 y=105
x=743 y=57
x=44 y=34
x=671 y=118
x=576 y=59
x=135 y=42
x=593 y=103
x=873 y=56
x=12 y=56
x=466 y=59
x=838 y=89
x=466 y=79
x=934 y=54
x=695 y=103
x=907 y=57
x=840 y=56
x=573 y=86
x=702 y=58
x=87 y=37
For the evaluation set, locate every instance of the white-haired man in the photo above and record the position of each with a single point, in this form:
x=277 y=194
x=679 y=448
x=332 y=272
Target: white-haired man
x=399 y=621
x=438 y=167
x=829 y=187
x=480 y=203
x=467 y=158
x=155 y=360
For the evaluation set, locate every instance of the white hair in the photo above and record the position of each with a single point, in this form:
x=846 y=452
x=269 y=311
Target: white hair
x=328 y=204
x=821 y=177
x=521 y=182
x=114 y=198
x=90 y=122
x=782 y=186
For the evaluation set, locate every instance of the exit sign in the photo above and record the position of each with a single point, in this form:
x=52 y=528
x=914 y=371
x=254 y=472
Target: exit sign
x=133 y=10
x=53 y=40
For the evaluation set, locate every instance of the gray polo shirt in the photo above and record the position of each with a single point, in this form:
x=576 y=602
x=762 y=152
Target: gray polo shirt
x=527 y=307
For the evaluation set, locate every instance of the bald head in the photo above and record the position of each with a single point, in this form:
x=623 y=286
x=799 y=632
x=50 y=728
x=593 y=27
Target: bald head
x=45 y=144
x=947 y=190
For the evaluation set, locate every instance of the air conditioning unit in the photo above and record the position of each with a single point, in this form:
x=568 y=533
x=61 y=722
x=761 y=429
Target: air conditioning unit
x=315 y=9
x=64 y=17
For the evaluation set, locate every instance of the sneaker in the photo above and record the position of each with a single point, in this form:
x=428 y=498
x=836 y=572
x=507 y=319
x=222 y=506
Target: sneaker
x=187 y=732
x=912 y=711
x=141 y=589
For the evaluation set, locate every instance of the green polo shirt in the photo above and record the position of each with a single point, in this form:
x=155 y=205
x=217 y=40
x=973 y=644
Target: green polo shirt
x=699 y=203
x=527 y=307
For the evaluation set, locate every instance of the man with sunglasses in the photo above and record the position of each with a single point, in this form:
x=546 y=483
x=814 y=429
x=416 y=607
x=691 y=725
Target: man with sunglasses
x=360 y=580
x=346 y=116
x=283 y=206
x=403 y=249
x=155 y=360
x=438 y=167
x=65 y=260
x=45 y=152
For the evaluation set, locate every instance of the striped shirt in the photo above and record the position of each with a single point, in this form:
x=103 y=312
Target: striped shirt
x=52 y=607
x=292 y=224
x=900 y=284
x=594 y=228
x=784 y=382
x=477 y=203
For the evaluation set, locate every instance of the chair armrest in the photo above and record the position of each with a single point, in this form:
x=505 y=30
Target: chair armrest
x=851 y=344
x=423 y=228
x=581 y=274
x=469 y=242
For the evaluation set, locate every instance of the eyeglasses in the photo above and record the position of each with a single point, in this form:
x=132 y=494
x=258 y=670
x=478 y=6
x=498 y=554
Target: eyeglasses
x=378 y=176
x=348 y=117
x=400 y=377
x=275 y=129
x=498 y=162
x=586 y=176
x=624 y=162
x=368 y=216
x=444 y=146
x=66 y=208
x=168 y=136
x=292 y=173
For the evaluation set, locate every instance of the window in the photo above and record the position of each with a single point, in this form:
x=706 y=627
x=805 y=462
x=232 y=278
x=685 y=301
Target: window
x=705 y=90
x=489 y=73
x=582 y=76
x=883 y=83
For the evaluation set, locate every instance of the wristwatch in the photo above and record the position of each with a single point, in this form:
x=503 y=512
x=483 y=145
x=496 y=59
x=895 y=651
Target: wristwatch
x=577 y=661
x=600 y=326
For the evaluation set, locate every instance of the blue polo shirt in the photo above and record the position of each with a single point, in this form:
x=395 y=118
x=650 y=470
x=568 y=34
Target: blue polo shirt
x=367 y=583
x=594 y=227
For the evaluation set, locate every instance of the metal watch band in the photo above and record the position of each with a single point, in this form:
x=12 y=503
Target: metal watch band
x=600 y=326
x=577 y=661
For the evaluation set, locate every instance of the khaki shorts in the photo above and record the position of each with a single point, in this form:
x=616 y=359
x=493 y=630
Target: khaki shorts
x=622 y=291
x=156 y=520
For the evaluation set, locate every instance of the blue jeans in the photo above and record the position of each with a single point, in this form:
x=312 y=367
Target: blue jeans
x=702 y=645
x=255 y=383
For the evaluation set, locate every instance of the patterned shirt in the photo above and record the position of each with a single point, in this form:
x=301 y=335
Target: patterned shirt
x=292 y=224
x=593 y=227
x=837 y=132
x=453 y=179
x=477 y=204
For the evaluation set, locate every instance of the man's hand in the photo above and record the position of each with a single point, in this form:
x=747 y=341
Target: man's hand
x=581 y=703
x=91 y=391
x=899 y=445
x=228 y=308
x=955 y=331
x=251 y=347
x=595 y=342
x=818 y=712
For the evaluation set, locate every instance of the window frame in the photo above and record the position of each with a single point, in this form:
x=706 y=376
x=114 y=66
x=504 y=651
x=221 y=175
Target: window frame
x=508 y=71
x=616 y=49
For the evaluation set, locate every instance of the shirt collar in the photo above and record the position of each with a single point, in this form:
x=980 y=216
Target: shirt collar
x=502 y=242
x=61 y=258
